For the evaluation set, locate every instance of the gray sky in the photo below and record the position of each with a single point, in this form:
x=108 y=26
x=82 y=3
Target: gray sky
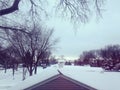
x=93 y=35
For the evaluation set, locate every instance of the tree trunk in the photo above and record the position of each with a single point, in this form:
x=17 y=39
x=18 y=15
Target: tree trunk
x=30 y=71
x=13 y=69
x=5 y=66
x=35 y=69
x=11 y=9
x=24 y=72
x=5 y=69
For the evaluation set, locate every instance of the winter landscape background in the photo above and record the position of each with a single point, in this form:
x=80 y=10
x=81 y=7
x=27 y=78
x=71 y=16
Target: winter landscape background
x=43 y=38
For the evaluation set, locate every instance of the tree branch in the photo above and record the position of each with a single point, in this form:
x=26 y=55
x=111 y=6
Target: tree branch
x=11 y=9
x=13 y=29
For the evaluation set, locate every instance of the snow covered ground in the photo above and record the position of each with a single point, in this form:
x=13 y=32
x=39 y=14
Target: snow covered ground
x=94 y=77
x=7 y=80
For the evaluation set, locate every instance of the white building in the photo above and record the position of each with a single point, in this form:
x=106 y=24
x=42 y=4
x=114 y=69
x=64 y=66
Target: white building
x=61 y=63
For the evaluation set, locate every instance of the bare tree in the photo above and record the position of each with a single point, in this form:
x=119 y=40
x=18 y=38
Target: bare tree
x=80 y=10
x=31 y=46
x=111 y=57
x=4 y=58
x=76 y=9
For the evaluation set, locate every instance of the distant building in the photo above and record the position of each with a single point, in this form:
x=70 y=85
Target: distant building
x=61 y=63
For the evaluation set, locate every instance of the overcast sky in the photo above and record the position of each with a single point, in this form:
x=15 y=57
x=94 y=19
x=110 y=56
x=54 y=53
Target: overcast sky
x=93 y=35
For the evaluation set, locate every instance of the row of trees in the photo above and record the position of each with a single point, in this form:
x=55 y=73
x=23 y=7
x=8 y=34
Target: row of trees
x=108 y=58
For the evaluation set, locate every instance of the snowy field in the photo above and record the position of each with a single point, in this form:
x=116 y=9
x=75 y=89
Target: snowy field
x=94 y=77
x=7 y=80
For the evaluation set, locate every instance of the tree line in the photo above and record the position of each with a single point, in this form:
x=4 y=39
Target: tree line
x=108 y=58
